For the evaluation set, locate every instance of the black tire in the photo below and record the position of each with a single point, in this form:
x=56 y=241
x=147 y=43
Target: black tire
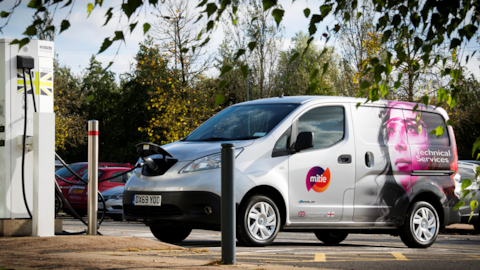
x=58 y=204
x=330 y=237
x=117 y=218
x=267 y=223
x=421 y=226
x=170 y=234
x=476 y=225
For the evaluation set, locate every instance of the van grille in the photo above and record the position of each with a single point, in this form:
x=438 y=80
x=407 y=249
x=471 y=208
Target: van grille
x=163 y=211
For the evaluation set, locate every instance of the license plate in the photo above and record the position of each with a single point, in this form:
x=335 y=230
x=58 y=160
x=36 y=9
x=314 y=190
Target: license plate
x=152 y=200
x=78 y=191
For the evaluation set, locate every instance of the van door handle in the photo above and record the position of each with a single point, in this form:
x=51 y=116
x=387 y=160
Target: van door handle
x=345 y=159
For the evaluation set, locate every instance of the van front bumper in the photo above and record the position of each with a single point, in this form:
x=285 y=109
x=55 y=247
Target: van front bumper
x=196 y=209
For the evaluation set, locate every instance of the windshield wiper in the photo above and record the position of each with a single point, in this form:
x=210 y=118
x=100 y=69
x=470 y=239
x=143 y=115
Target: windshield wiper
x=211 y=139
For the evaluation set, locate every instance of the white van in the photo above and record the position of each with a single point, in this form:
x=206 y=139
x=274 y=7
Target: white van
x=305 y=163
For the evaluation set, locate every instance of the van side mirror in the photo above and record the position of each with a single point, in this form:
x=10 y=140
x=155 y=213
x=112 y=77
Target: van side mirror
x=304 y=141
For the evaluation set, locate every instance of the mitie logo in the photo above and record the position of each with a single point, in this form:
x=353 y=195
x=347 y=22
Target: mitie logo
x=318 y=179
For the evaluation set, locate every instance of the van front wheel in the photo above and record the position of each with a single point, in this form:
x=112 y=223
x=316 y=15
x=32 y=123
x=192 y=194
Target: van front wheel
x=421 y=226
x=258 y=221
x=330 y=237
x=170 y=234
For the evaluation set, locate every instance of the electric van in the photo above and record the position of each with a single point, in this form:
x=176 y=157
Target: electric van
x=328 y=165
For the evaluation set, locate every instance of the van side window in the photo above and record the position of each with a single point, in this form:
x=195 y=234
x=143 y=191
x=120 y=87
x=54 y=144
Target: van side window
x=282 y=146
x=326 y=123
x=432 y=121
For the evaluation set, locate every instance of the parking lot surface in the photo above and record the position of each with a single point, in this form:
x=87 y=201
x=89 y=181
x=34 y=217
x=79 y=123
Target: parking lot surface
x=459 y=247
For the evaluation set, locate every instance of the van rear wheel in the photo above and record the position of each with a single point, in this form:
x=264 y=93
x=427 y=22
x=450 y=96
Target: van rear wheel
x=170 y=234
x=258 y=221
x=421 y=226
x=330 y=237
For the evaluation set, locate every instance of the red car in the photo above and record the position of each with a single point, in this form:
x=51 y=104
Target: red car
x=77 y=194
x=81 y=168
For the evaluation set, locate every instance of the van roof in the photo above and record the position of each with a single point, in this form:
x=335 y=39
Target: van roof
x=306 y=99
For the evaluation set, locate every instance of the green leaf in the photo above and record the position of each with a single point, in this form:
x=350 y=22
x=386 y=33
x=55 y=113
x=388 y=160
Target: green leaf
x=426 y=100
x=465 y=193
x=373 y=94
x=358 y=105
x=21 y=43
x=476 y=145
x=222 y=85
x=119 y=36
x=130 y=7
x=396 y=20
x=90 y=98
x=109 y=15
x=132 y=26
x=225 y=69
x=458 y=205
x=473 y=204
x=383 y=89
x=239 y=53
x=455 y=74
x=325 y=68
x=219 y=99
x=146 y=27
x=455 y=43
x=211 y=8
x=396 y=85
x=198 y=19
x=31 y=30
x=294 y=56
x=438 y=131
x=244 y=70
x=89 y=9
x=210 y=25
x=201 y=4
x=306 y=12
x=267 y=4
x=313 y=74
x=346 y=15
x=4 y=14
x=466 y=183
x=278 y=15
x=374 y=61
x=359 y=14
x=364 y=85
x=106 y=43
x=450 y=123
x=252 y=45
x=64 y=25
x=184 y=50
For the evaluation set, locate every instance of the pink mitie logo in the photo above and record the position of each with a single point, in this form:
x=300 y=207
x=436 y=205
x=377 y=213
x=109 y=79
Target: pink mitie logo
x=318 y=179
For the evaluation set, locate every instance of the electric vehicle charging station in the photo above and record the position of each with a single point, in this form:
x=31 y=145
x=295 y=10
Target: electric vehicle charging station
x=40 y=136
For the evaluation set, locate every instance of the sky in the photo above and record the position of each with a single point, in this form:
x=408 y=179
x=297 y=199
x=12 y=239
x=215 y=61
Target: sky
x=85 y=35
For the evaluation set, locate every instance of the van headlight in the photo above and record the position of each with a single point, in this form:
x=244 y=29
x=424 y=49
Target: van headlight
x=206 y=163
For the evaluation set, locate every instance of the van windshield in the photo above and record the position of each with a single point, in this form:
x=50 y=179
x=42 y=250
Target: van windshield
x=242 y=122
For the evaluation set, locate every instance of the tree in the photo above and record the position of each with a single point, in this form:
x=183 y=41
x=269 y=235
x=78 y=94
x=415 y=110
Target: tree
x=305 y=75
x=175 y=32
x=70 y=130
x=256 y=38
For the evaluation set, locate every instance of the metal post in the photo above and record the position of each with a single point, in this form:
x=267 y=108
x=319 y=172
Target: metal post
x=228 y=204
x=92 y=176
x=247 y=83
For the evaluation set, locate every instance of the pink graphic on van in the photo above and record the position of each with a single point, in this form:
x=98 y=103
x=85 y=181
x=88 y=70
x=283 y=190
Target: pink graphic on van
x=318 y=179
